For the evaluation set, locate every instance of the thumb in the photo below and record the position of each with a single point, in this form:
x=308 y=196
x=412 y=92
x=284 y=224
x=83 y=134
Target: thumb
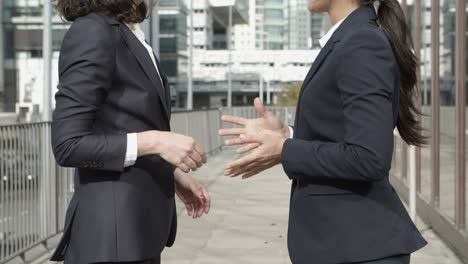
x=259 y=107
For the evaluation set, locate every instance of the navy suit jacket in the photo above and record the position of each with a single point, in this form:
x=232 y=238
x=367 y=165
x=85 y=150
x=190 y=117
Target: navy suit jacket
x=109 y=87
x=343 y=208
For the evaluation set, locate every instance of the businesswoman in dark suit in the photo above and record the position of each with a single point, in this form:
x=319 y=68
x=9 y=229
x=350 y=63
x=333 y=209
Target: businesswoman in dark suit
x=112 y=123
x=360 y=87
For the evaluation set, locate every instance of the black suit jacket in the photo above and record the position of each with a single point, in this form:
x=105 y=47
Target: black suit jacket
x=343 y=208
x=109 y=87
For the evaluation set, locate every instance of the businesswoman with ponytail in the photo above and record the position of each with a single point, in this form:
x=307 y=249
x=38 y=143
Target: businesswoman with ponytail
x=338 y=155
x=112 y=124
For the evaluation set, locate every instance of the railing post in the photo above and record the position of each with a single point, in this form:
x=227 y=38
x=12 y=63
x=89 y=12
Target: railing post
x=47 y=55
x=43 y=183
x=460 y=76
x=435 y=100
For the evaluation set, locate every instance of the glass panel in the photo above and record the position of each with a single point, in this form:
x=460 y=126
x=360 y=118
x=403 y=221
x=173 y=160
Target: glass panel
x=397 y=157
x=447 y=107
x=466 y=152
x=173 y=46
x=167 y=23
x=426 y=106
x=21 y=63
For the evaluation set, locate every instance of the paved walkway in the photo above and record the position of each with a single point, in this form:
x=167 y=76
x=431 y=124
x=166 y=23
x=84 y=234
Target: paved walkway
x=248 y=223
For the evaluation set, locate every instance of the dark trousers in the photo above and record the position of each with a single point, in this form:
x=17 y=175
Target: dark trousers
x=402 y=259
x=150 y=261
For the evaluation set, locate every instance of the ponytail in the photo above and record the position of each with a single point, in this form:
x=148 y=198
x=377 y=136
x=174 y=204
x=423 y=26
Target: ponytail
x=392 y=20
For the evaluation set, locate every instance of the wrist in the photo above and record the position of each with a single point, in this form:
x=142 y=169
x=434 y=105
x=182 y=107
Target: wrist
x=149 y=142
x=279 y=148
x=285 y=131
x=179 y=176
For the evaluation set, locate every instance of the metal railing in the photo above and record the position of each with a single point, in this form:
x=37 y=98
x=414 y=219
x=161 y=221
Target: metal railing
x=35 y=192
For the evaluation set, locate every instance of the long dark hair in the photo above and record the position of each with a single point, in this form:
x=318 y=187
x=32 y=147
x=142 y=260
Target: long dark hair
x=392 y=20
x=124 y=10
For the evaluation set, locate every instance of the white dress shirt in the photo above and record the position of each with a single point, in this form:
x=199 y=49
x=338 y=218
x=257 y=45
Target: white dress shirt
x=323 y=41
x=131 y=154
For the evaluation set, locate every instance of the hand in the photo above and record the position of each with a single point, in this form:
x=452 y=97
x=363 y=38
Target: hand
x=179 y=150
x=265 y=156
x=266 y=121
x=192 y=193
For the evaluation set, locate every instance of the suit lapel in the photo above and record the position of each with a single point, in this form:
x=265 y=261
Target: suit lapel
x=318 y=62
x=167 y=89
x=143 y=58
x=315 y=66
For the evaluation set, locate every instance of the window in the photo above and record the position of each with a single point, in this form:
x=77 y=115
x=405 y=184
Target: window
x=168 y=45
x=425 y=89
x=447 y=107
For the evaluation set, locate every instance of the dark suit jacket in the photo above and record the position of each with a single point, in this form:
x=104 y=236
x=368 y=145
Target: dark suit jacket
x=343 y=208
x=109 y=87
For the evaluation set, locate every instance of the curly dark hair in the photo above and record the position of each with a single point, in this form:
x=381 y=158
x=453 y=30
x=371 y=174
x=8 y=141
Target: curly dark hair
x=126 y=11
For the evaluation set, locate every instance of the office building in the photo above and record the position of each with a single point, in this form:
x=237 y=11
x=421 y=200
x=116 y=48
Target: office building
x=319 y=25
x=173 y=44
x=263 y=73
x=299 y=25
x=21 y=67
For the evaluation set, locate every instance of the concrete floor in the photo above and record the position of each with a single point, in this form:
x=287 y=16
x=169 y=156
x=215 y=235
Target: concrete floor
x=248 y=223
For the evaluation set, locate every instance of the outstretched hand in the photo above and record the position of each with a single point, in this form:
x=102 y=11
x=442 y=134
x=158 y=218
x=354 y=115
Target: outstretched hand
x=265 y=156
x=267 y=121
x=263 y=137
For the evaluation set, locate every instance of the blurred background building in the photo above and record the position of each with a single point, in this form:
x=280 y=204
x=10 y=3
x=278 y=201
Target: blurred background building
x=258 y=28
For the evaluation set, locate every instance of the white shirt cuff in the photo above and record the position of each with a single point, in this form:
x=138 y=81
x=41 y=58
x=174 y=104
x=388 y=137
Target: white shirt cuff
x=291 y=132
x=131 y=154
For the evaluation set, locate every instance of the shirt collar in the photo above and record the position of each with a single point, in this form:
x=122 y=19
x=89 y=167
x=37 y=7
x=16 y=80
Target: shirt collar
x=323 y=41
x=137 y=30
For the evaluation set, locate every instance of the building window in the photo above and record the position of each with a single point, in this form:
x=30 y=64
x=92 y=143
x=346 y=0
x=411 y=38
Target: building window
x=447 y=106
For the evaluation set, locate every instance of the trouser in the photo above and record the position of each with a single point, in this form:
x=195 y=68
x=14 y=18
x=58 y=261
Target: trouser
x=402 y=259
x=150 y=261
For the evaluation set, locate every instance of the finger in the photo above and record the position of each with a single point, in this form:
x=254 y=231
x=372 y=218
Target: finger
x=205 y=198
x=189 y=209
x=200 y=209
x=190 y=163
x=232 y=131
x=195 y=156
x=233 y=142
x=258 y=165
x=183 y=167
x=244 y=169
x=247 y=148
x=195 y=210
x=259 y=107
x=234 y=119
x=198 y=148
x=236 y=171
x=250 y=174
x=243 y=161
x=207 y=201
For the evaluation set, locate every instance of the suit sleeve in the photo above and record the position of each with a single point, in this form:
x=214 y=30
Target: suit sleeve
x=365 y=78
x=86 y=68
